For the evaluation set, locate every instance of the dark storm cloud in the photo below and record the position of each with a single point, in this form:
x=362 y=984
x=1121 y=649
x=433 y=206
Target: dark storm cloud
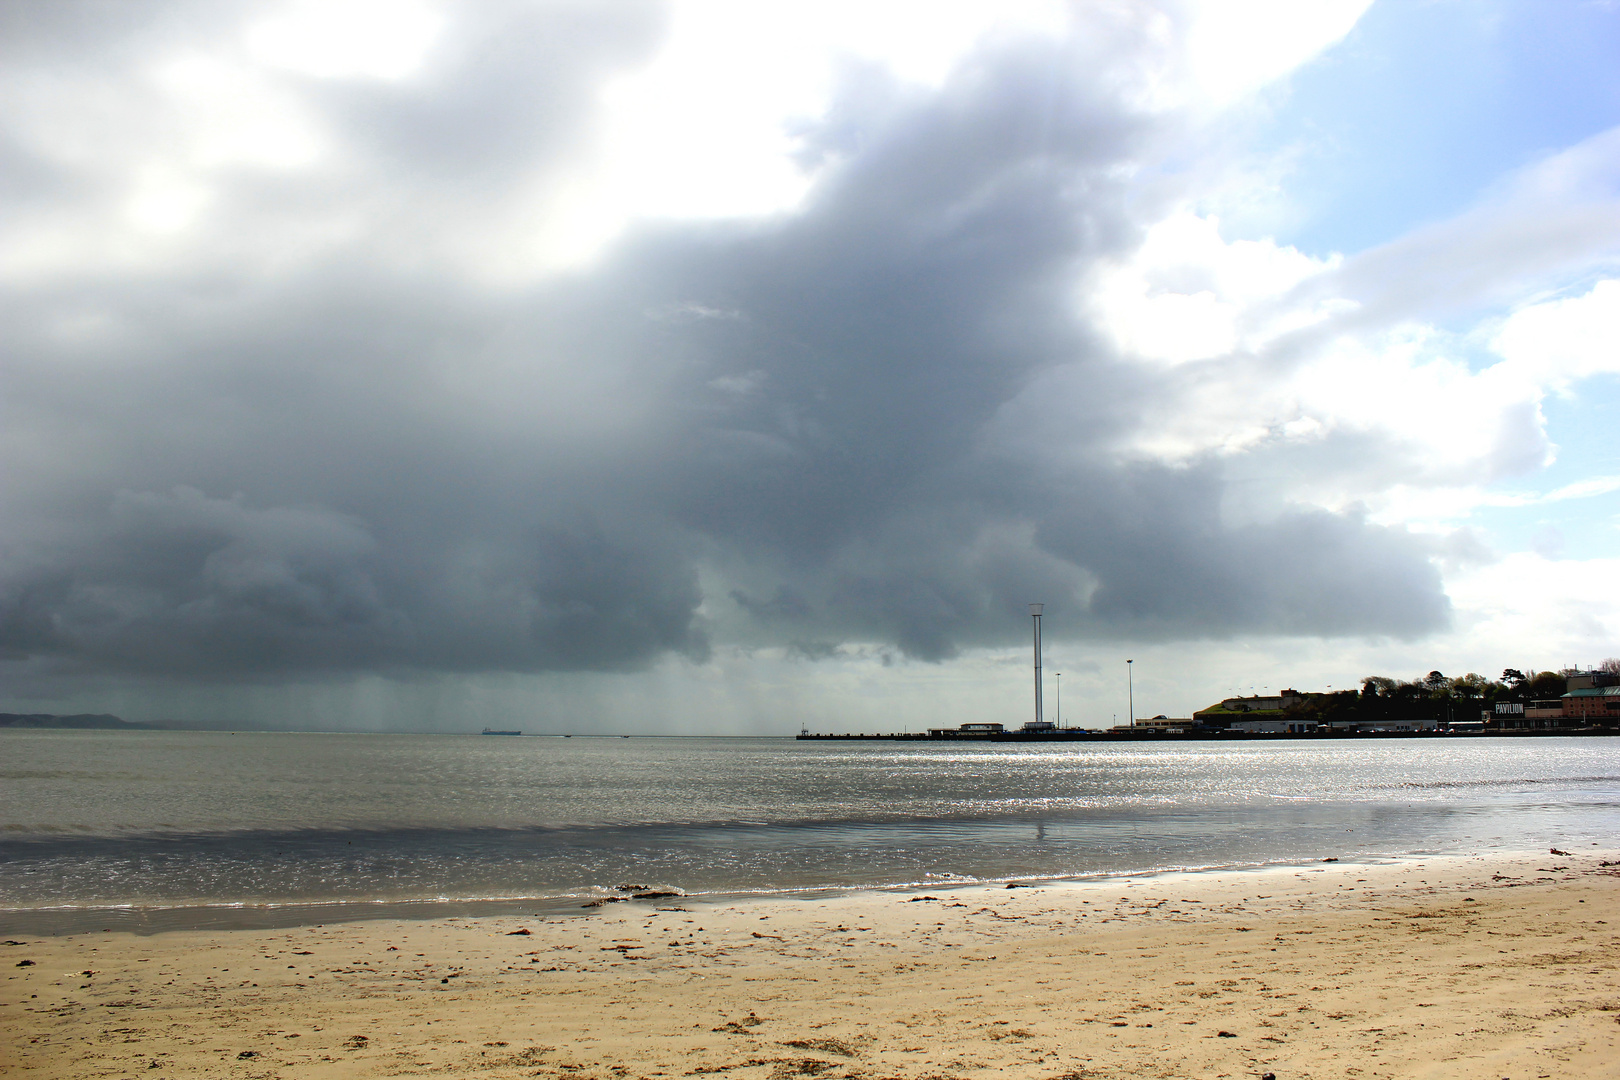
x=875 y=419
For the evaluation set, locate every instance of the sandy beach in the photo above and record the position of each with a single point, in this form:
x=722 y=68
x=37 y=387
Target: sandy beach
x=1454 y=967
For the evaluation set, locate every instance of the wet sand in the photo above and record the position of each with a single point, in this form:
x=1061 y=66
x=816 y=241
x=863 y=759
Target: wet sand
x=1500 y=967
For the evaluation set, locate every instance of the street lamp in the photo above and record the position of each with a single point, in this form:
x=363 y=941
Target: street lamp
x=1060 y=699
x=1130 y=689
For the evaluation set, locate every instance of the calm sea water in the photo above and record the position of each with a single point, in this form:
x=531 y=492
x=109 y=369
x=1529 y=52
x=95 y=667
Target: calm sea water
x=161 y=829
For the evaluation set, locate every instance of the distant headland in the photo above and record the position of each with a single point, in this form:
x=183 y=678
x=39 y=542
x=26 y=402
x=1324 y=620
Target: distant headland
x=98 y=721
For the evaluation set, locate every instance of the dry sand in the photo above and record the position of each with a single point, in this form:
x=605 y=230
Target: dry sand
x=1479 y=968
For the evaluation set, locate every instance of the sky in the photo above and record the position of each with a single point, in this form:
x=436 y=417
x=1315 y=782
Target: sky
x=725 y=368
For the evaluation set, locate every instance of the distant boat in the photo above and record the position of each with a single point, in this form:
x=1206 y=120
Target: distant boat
x=492 y=731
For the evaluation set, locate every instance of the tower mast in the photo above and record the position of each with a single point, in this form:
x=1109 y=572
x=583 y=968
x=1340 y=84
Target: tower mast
x=1035 y=612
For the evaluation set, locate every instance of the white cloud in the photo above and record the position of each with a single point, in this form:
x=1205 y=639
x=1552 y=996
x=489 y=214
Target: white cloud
x=1526 y=600
x=222 y=115
x=1552 y=344
x=1222 y=310
x=1187 y=294
x=329 y=39
x=151 y=147
x=1235 y=47
x=1584 y=489
x=1270 y=351
x=166 y=203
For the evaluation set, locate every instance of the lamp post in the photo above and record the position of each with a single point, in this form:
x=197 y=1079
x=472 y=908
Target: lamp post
x=1035 y=613
x=1130 y=689
x=1059 y=676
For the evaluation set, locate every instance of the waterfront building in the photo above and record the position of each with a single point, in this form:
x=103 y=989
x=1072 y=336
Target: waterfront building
x=965 y=729
x=1539 y=714
x=1426 y=723
x=1592 y=704
x=1276 y=726
x=1592 y=680
x=1160 y=724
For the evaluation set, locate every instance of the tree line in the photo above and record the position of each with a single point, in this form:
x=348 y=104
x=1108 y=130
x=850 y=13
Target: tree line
x=1440 y=696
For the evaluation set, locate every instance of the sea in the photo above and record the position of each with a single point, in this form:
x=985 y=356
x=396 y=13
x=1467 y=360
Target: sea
x=159 y=830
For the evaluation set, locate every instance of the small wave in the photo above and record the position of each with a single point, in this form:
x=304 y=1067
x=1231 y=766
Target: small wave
x=1497 y=782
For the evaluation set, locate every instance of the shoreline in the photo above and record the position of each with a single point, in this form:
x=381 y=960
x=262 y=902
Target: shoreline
x=1441 y=966
x=229 y=916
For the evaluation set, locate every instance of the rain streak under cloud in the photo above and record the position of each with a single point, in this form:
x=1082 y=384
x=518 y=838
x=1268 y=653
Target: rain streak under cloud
x=440 y=343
